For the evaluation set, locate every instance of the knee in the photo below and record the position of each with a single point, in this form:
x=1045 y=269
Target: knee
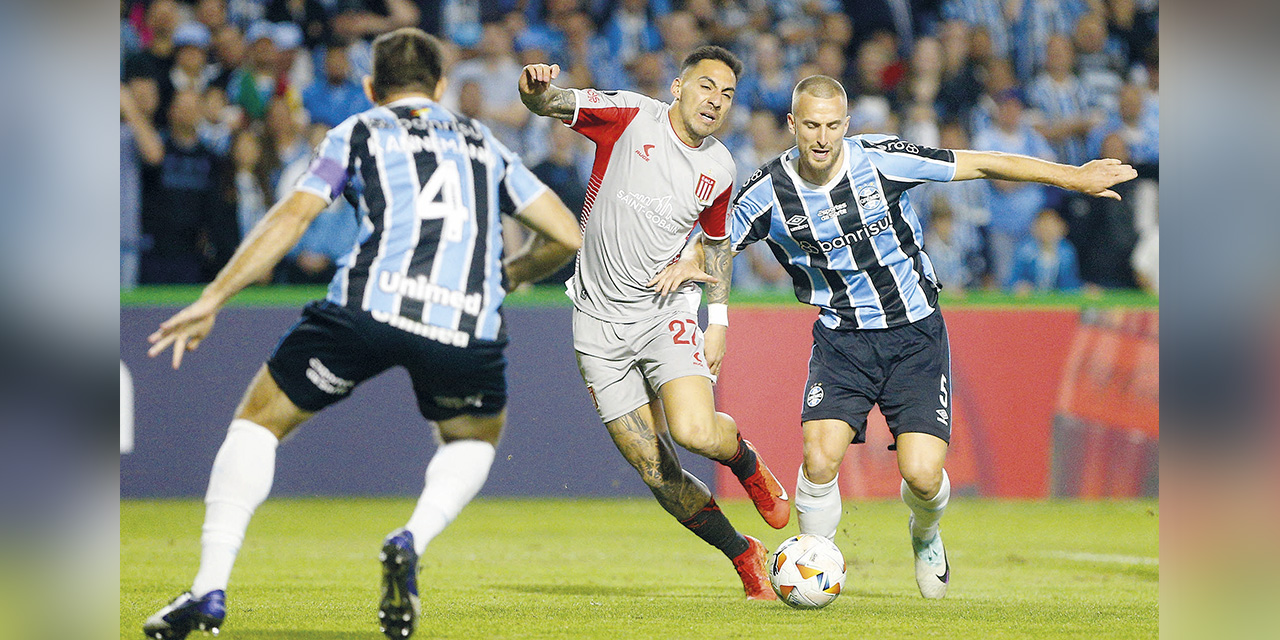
x=820 y=465
x=696 y=433
x=924 y=479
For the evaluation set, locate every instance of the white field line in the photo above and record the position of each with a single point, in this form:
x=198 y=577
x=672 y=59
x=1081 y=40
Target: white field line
x=1104 y=557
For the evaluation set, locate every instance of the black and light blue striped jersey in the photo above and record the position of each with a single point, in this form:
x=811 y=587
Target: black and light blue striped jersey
x=853 y=247
x=429 y=187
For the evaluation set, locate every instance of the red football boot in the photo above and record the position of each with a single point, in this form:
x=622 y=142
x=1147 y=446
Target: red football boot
x=752 y=568
x=769 y=497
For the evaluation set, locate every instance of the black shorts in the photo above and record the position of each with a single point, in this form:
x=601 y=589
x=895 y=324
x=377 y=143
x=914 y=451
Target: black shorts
x=906 y=370
x=333 y=349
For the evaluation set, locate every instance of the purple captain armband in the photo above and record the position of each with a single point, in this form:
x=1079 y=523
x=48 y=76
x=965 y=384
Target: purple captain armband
x=332 y=173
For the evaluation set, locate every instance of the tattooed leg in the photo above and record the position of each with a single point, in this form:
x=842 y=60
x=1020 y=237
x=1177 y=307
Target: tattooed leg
x=650 y=451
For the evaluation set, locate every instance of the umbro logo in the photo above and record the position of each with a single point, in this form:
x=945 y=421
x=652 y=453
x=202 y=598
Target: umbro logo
x=943 y=416
x=644 y=155
x=798 y=221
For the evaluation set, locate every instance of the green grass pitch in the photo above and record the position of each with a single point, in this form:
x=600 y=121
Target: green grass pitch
x=516 y=568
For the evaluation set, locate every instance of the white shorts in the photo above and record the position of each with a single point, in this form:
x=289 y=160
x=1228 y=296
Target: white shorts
x=624 y=364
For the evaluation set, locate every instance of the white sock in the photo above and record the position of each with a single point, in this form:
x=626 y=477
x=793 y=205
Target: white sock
x=927 y=513
x=239 y=482
x=818 y=506
x=454 y=476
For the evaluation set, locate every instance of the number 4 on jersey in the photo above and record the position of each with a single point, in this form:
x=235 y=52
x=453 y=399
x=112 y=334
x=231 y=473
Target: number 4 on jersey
x=441 y=198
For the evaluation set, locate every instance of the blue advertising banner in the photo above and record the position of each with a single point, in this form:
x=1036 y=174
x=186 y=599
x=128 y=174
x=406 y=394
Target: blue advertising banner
x=375 y=442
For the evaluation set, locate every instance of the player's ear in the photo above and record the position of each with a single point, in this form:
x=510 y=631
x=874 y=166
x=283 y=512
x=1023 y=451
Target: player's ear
x=367 y=83
x=791 y=123
x=441 y=86
x=845 y=130
x=675 y=88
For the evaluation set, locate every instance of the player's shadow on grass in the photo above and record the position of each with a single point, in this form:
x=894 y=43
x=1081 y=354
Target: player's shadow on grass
x=586 y=590
x=273 y=634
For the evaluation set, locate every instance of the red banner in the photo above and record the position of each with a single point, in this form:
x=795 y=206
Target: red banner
x=1012 y=372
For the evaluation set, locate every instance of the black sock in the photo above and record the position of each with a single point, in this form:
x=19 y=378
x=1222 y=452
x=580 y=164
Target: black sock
x=714 y=529
x=743 y=463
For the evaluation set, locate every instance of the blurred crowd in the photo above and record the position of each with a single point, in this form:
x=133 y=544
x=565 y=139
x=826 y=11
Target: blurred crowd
x=222 y=102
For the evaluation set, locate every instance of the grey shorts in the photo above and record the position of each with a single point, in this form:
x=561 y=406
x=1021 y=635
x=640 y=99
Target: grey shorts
x=624 y=364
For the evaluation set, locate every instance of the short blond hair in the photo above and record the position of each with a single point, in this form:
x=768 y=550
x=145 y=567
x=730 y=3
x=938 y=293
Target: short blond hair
x=818 y=87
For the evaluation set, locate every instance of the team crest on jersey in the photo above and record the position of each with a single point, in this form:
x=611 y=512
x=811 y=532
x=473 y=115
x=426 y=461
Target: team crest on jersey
x=869 y=198
x=815 y=395
x=706 y=184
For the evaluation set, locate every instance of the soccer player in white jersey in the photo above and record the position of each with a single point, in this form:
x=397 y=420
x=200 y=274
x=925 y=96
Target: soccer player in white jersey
x=658 y=172
x=422 y=289
x=836 y=213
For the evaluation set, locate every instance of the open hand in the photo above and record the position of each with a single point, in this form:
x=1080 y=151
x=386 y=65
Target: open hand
x=1096 y=177
x=185 y=330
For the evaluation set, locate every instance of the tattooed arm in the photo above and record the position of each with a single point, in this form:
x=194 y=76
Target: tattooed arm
x=543 y=98
x=718 y=257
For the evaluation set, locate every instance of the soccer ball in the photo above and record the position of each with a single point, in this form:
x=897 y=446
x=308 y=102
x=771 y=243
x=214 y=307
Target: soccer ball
x=807 y=571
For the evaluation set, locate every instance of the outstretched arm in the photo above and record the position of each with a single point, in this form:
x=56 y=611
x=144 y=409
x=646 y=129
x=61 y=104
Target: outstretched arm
x=543 y=98
x=1094 y=178
x=265 y=245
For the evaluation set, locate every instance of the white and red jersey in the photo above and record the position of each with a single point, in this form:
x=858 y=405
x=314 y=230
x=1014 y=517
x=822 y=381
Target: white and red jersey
x=647 y=191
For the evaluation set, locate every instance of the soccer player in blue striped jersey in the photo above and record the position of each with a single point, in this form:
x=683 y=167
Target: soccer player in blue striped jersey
x=422 y=288
x=836 y=214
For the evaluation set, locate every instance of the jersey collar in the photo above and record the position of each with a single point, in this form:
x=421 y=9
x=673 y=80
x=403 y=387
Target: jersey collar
x=792 y=157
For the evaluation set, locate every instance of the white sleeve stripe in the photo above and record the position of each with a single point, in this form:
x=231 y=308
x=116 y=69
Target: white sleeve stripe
x=323 y=193
x=577 y=107
x=521 y=206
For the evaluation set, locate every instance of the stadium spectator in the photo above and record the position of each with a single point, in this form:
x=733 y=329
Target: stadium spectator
x=988 y=14
x=364 y=19
x=954 y=250
x=960 y=86
x=138 y=102
x=587 y=54
x=968 y=202
x=768 y=85
x=188 y=227
x=253 y=84
x=997 y=78
x=285 y=140
x=243 y=13
x=1105 y=231
x=1035 y=23
x=336 y=96
x=218 y=121
x=252 y=178
x=646 y=75
x=228 y=53
x=680 y=35
x=1047 y=261
x=1013 y=204
x=923 y=80
x=293 y=70
x=631 y=30
x=495 y=70
x=1063 y=105
x=191 y=68
x=310 y=16
x=1135 y=122
x=1100 y=62
x=130 y=41
x=155 y=61
x=211 y=13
